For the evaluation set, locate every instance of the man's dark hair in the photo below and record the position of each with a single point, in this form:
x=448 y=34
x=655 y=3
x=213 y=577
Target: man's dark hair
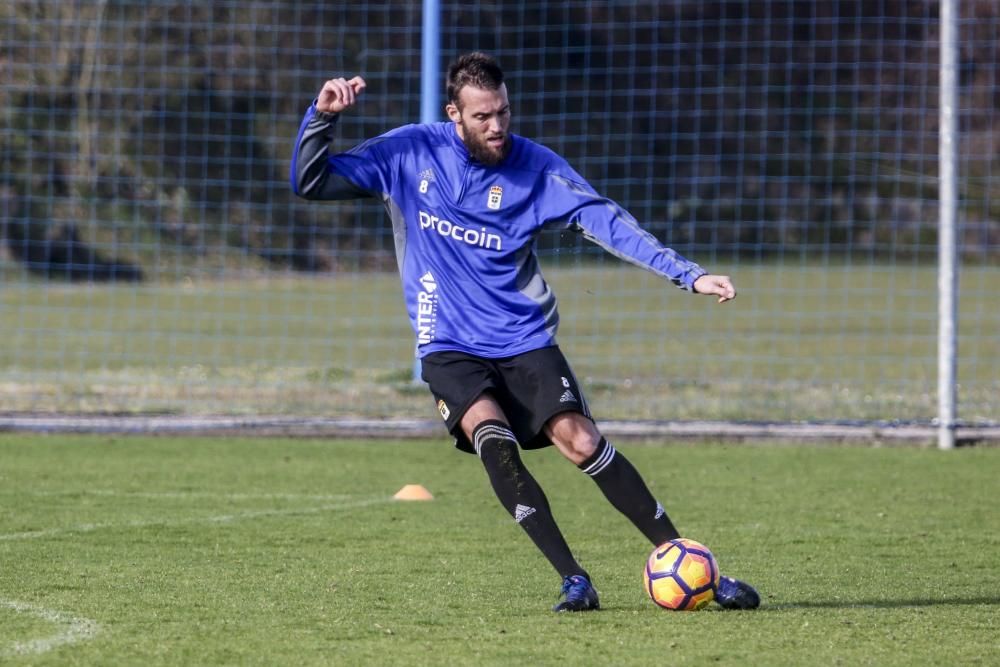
x=473 y=69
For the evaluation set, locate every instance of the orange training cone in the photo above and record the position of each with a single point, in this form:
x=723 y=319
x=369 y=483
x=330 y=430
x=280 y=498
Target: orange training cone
x=413 y=492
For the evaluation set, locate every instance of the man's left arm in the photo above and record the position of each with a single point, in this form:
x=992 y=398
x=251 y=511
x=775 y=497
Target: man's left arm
x=575 y=205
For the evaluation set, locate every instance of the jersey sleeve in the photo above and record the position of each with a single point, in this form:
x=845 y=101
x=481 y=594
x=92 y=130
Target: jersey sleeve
x=569 y=202
x=363 y=171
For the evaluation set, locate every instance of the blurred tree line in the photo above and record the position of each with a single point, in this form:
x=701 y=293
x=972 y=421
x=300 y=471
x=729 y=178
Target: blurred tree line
x=145 y=138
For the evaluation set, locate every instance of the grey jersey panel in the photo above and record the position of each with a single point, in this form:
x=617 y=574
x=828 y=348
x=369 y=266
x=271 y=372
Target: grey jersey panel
x=398 y=229
x=532 y=285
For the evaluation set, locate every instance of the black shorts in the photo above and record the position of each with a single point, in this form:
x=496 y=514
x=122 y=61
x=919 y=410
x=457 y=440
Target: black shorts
x=531 y=388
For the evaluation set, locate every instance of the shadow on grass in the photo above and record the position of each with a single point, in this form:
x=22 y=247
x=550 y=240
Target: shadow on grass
x=881 y=604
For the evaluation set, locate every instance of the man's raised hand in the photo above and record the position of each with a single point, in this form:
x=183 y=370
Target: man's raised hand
x=339 y=94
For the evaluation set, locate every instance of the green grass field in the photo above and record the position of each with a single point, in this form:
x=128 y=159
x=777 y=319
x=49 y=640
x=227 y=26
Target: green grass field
x=802 y=342
x=172 y=551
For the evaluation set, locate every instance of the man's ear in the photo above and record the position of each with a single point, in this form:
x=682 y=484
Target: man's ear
x=453 y=113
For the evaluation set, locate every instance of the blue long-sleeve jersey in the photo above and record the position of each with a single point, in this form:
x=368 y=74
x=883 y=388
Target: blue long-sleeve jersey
x=465 y=232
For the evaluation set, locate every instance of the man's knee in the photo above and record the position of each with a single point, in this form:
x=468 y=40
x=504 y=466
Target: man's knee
x=574 y=435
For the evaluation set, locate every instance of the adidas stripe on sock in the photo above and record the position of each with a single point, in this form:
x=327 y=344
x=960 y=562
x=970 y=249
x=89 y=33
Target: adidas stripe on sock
x=601 y=459
x=491 y=429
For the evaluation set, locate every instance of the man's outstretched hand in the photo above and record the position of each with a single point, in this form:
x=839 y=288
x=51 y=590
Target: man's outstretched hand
x=720 y=286
x=339 y=94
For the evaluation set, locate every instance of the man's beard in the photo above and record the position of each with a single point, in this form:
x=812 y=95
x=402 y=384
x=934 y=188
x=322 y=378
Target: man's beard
x=483 y=153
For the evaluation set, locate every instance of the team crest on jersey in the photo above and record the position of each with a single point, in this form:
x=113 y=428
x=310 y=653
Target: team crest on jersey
x=493 y=201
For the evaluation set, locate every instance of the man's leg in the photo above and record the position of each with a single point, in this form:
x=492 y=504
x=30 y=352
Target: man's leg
x=486 y=427
x=578 y=439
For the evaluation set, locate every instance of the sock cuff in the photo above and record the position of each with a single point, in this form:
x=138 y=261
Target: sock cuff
x=600 y=459
x=491 y=429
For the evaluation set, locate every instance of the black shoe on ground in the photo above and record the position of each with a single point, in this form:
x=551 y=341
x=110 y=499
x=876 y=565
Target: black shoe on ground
x=579 y=595
x=736 y=594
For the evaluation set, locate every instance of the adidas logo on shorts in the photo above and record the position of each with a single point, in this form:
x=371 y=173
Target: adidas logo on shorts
x=567 y=397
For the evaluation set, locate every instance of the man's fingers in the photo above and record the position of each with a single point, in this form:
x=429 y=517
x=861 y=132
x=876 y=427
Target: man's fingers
x=344 y=93
x=348 y=91
x=357 y=84
x=720 y=286
x=339 y=94
x=726 y=290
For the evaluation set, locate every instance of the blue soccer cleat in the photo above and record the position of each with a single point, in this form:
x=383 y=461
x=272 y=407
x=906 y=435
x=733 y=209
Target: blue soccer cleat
x=735 y=594
x=580 y=595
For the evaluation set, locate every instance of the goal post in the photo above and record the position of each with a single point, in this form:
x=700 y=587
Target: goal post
x=948 y=202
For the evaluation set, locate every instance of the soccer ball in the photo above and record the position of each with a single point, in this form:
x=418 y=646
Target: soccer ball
x=681 y=575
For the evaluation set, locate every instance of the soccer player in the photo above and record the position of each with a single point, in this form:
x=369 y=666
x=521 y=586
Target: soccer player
x=467 y=199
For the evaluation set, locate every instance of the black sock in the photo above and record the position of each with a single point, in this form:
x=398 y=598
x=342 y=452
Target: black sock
x=521 y=495
x=621 y=484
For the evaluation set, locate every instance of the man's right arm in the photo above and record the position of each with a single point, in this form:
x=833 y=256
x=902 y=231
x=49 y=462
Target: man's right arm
x=312 y=174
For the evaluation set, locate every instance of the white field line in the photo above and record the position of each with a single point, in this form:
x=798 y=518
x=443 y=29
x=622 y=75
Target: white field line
x=72 y=629
x=221 y=518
